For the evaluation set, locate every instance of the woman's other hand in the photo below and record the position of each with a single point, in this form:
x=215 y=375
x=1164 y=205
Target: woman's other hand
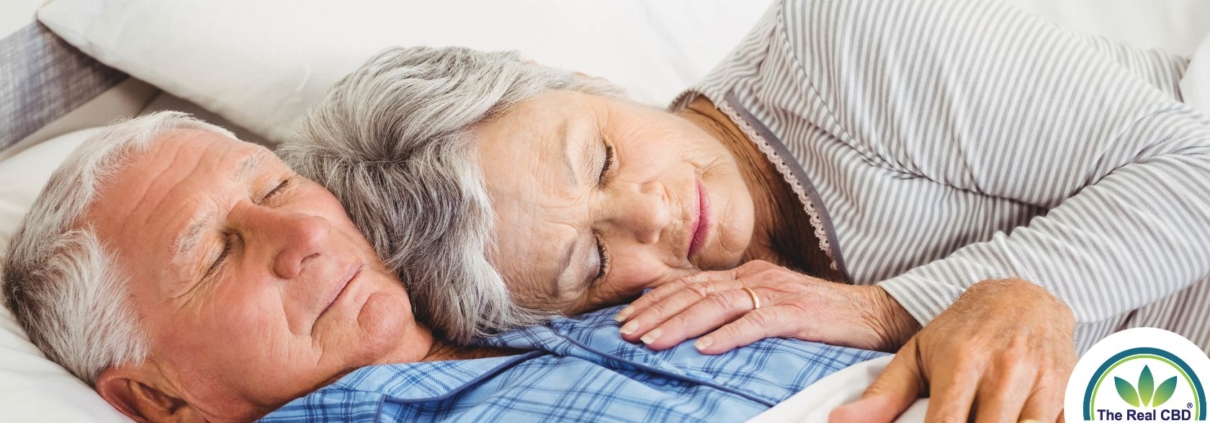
x=1002 y=352
x=792 y=305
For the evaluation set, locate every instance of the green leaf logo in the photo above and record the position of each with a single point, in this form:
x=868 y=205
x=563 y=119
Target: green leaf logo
x=1126 y=391
x=1147 y=395
x=1146 y=386
x=1164 y=392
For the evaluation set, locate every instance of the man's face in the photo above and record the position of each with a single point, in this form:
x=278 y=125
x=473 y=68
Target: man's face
x=251 y=282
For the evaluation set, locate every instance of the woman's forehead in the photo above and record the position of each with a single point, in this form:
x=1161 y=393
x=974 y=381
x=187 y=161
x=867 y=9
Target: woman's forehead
x=539 y=157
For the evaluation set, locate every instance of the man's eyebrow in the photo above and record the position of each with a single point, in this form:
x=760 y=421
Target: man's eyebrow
x=249 y=165
x=191 y=236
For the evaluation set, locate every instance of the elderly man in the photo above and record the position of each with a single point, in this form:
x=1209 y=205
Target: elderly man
x=189 y=276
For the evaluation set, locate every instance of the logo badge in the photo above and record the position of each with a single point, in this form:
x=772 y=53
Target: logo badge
x=1141 y=374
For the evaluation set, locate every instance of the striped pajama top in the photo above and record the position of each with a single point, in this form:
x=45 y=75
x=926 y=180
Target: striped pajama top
x=937 y=143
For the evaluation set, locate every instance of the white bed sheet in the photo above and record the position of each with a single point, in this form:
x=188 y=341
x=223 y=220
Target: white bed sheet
x=1195 y=86
x=812 y=405
x=32 y=388
x=1173 y=25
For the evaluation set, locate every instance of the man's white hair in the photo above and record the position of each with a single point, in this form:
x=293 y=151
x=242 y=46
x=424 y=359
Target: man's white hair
x=62 y=285
x=393 y=142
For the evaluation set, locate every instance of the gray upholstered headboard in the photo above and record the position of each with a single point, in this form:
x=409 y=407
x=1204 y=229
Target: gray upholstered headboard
x=43 y=78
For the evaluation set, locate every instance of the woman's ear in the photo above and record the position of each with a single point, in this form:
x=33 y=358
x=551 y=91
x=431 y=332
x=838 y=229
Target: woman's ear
x=137 y=394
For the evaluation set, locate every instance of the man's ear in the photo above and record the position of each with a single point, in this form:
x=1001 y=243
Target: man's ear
x=137 y=394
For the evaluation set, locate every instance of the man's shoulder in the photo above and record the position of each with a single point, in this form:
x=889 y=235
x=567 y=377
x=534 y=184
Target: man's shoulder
x=362 y=391
x=580 y=366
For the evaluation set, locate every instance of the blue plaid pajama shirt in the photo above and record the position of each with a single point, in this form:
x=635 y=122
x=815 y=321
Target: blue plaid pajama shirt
x=577 y=369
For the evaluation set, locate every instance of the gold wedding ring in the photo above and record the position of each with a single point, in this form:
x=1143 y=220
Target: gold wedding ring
x=755 y=299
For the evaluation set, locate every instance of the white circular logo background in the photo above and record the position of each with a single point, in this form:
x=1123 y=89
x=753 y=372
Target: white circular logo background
x=1140 y=374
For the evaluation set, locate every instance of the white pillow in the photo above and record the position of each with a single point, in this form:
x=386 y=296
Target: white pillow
x=32 y=388
x=262 y=64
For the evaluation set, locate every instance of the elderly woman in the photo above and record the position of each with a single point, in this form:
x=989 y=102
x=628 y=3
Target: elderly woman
x=908 y=150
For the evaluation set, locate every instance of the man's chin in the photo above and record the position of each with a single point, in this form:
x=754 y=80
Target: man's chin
x=385 y=322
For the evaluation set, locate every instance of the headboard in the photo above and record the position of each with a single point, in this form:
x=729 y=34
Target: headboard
x=43 y=79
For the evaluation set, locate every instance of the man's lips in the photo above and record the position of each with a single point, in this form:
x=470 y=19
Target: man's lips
x=346 y=279
x=701 y=221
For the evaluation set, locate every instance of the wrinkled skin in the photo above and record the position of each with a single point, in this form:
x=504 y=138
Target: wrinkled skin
x=597 y=200
x=297 y=299
x=1002 y=353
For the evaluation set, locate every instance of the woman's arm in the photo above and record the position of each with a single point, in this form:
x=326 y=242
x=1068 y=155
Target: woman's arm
x=981 y=97
x=1161 y=69
x=978 y=96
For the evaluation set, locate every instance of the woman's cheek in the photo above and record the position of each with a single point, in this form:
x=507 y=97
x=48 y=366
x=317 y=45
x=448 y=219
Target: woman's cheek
x=733 y=234
x=632 y=273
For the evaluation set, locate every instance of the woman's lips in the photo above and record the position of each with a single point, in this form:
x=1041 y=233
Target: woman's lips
x=702 y=223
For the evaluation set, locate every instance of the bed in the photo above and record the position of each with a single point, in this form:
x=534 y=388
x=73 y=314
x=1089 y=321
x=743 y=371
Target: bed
x=255 y=67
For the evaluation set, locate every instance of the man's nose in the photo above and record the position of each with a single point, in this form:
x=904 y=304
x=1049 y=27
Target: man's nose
x=642 y=211
x=290 y=238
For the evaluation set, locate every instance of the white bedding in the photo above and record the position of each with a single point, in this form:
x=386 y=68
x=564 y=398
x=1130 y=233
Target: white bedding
x=813 y=404
x=33 y=389
x=1195 y=86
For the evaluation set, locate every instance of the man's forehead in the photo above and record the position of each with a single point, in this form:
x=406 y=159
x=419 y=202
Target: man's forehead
x=179 y=156
x=209 y=142
x=158 y=191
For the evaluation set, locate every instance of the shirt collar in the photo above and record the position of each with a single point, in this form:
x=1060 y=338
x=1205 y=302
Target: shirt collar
x=424 y=381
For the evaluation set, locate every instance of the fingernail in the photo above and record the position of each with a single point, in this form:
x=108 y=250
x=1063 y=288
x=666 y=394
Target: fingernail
x=703 y=343
x=629 y=328
x=1031 y=421
x=651 y=336
x=622 y=315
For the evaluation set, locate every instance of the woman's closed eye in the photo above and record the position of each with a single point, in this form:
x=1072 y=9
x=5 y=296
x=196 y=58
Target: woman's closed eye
x=609 y=163
x=603 y=259
x=602 y=254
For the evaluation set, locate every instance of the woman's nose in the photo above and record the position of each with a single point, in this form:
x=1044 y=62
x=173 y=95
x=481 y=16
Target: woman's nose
x=291 y=238
x=642 y=211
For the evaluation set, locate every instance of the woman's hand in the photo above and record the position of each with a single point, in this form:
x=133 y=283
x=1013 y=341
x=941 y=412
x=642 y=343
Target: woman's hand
x=791 y=305
x=1002 y=352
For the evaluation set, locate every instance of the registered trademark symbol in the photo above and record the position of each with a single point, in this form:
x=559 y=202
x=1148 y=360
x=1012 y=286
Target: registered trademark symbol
x=1189 y=405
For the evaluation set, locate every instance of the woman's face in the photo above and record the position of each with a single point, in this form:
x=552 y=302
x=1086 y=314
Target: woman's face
x=597 y=199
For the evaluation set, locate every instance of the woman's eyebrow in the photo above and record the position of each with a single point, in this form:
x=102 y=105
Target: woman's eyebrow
x=565 y=266
x=571 y=168
x=574 y=273
x=585 y=154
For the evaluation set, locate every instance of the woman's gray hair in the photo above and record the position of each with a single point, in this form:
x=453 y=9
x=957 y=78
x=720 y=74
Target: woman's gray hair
x=62 y=285
x=393 y=142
